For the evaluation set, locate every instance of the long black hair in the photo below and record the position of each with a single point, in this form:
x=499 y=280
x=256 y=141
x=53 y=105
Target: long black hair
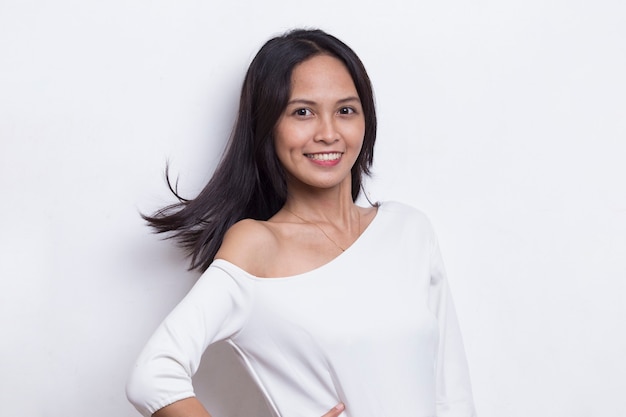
x=249 y=181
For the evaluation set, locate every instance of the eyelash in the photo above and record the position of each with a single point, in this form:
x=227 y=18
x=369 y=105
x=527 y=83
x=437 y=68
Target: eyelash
x=343 y=111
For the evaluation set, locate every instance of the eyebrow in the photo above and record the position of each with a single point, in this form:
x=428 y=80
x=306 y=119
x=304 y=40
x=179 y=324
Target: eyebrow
x=311 y=102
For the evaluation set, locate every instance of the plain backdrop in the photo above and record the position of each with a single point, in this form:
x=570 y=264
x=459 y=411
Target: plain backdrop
x=505 y=121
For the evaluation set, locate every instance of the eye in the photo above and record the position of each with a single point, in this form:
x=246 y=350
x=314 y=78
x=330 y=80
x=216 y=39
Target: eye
x=302 y=112
x=346 y=110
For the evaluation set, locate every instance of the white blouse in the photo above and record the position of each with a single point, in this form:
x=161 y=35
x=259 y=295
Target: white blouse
x=375 y=328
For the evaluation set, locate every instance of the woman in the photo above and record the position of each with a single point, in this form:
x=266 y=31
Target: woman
x=333 y=308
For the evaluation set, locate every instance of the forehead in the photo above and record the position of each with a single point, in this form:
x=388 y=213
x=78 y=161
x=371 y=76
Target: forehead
x=321 y=74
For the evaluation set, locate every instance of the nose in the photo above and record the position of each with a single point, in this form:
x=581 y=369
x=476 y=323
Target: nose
x=327 y=130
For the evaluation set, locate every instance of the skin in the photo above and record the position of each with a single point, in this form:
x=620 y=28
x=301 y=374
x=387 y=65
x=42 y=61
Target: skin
x=323 y=116
x=317 y=139
x=191 y=407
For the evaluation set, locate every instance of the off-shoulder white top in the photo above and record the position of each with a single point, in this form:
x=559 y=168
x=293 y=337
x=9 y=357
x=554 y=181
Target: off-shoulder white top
x=375 y=328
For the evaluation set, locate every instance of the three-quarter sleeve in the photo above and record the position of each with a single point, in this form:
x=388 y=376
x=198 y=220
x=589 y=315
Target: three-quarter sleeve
x=215 y=309
x=454 y=394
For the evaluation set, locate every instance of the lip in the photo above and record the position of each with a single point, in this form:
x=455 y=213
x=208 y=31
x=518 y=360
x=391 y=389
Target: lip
x=324 y=158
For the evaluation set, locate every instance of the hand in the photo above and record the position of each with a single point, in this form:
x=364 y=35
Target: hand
x=335 y=411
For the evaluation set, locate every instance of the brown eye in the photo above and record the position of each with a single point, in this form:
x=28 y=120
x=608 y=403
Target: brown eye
x=346 y=110
x=302 y=112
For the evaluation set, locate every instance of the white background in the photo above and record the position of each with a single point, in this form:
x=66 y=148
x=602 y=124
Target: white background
x=505 y=121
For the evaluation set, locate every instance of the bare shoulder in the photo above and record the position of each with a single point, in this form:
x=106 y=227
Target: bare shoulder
x=247 y=244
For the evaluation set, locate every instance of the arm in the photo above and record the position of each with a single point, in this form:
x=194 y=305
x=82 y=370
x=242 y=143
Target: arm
x=454 y=394
x=191 y=407
x=215 y=309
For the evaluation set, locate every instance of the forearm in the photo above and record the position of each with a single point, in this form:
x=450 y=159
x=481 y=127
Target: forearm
x=189 y=407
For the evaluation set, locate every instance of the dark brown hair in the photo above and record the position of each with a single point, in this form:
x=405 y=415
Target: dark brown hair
x=250 y=182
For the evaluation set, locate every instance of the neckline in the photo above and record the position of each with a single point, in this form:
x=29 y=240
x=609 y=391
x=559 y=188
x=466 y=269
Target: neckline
x=336 y=259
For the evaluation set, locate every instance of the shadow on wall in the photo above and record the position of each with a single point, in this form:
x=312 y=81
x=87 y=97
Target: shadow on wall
x=224 y=386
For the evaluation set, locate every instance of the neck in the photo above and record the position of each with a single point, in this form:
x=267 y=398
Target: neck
x=334 y=206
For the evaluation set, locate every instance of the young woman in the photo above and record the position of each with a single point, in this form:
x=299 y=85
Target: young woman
x=333 y=308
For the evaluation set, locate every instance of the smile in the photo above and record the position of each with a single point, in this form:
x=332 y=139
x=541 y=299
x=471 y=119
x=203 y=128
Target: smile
x=333 y=156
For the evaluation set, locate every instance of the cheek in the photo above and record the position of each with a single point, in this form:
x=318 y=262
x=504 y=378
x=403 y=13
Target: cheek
x=280 y=144
x=288 y=137
x=357 y=133
x=283 y=144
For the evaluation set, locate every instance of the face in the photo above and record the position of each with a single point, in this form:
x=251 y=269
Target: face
x=320 y=133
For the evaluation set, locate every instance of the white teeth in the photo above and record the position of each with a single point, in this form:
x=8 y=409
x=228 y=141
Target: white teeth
x=324 y=156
